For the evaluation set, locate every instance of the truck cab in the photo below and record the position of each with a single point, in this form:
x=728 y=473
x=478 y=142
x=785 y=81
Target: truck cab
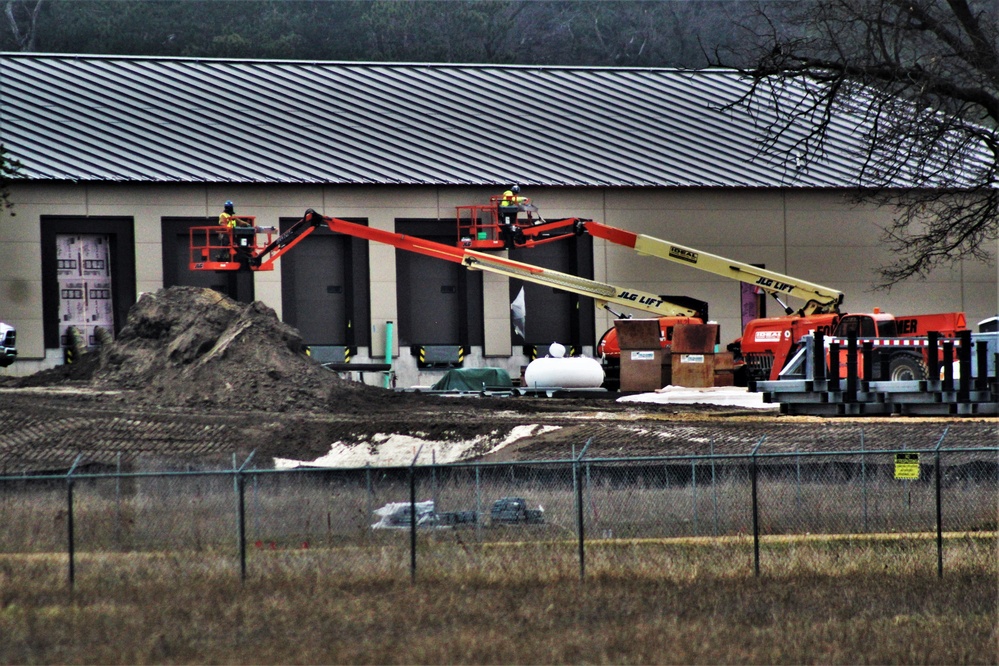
x=877 y=325
x=8 y=345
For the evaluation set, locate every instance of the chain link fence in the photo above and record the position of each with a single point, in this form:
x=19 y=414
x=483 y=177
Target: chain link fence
x=466 y=515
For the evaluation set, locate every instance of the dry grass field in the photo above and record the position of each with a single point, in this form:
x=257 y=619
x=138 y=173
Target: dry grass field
x=843 y=601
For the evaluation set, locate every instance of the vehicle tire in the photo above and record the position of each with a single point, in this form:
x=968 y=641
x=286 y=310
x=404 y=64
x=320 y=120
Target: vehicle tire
x=906 y=368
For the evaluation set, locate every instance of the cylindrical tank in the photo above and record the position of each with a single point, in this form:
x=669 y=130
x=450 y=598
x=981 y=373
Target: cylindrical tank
x=556 y=371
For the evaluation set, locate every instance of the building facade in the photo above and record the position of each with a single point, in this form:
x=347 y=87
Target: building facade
x=111 y=188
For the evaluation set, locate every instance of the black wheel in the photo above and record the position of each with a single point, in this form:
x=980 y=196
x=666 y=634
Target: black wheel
x=906 y=368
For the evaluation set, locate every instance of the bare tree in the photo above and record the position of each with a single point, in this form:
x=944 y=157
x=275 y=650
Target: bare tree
x=922 y=78
x=22 y=17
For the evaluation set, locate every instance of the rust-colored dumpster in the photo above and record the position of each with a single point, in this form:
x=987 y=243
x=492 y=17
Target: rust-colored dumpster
x=693 y=353
x=641 y=354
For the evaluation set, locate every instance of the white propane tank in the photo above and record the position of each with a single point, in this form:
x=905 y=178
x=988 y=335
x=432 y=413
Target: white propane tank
x=557 y=371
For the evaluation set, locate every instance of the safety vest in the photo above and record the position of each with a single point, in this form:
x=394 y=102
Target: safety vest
x=510 y=199
x=227 y=220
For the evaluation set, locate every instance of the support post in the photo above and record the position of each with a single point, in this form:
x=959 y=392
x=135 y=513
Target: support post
x=714 y=490
x=936 y=463
x=964 y=363
x=240 y=482
x=868 y=358
x=579 y=511
x=756 y=510
x=833 y=366
x=819 y=356
x=933 y=355
x=70 y=527
x=412 y=516
x=948 y=369
x=863 y=476
x=851 y=368
x=982 y=356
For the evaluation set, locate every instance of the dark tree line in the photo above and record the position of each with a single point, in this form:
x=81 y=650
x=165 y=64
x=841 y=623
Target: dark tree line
x=621 y=33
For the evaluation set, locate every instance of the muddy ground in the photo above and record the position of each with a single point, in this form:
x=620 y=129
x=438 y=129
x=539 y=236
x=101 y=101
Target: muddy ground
x=195 y=378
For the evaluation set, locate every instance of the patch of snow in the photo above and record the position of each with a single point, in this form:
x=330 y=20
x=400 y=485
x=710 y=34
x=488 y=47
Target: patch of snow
x=522 y=431
x=398 y=450
x=729 y=396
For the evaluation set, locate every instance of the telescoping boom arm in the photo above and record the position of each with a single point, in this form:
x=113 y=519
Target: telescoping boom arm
x=818 y=299
x=603 y=294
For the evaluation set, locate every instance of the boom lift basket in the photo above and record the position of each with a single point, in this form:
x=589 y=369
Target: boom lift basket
x=218 y=248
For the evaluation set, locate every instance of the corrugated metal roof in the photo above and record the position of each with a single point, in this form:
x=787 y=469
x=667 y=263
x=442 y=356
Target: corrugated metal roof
x=142 y=119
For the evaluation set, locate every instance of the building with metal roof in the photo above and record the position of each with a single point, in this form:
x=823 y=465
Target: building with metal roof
x=142 y=120
x=131 y=151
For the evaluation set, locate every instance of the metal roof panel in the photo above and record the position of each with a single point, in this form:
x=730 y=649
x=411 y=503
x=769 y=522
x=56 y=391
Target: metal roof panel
x=149 y=119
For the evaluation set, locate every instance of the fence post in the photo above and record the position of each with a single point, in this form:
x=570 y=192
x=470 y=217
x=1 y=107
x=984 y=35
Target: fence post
x=240 y=481
x=693 y=493
x=756 y=510
x=370 y=495
x=714 y=489
x=433 y=478
x=936 y=463
x=412 y=516
x=117 y=501
x=478 y=504
x=579 y=509
x=863 y=477
x=797 y=479
x=70 y=536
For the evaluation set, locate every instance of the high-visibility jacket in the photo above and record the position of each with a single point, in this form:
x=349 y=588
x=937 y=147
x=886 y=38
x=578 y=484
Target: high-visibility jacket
x=510 y=199
x=227 y=220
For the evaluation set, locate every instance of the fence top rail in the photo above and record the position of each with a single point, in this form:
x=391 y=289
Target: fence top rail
x=567 y=462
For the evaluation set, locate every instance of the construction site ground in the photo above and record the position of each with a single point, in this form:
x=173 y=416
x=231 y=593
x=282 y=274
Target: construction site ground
x=197 y=379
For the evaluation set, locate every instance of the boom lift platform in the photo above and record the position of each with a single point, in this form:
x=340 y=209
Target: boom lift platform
x=218 y=249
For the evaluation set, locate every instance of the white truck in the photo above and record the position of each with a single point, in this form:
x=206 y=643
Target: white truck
x=8 y=345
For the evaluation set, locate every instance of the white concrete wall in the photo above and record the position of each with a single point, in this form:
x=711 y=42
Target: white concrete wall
x=817 y=236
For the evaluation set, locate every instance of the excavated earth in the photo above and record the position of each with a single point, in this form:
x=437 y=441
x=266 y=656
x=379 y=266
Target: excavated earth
x=197 y=379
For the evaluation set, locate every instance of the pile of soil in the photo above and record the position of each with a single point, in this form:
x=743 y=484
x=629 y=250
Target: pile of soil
x=188 y=346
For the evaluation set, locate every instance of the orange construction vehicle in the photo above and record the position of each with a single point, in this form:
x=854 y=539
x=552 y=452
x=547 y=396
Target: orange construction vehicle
x=768 y=344
x=478 y=227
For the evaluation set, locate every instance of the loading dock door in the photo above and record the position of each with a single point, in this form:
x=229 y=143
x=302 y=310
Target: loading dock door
x=320 y=273
x=429 y=300
x=552 y=315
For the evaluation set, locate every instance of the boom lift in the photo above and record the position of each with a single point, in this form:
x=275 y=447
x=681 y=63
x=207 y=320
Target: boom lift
x=478 y=229
x=767 y=344
x=211 y=248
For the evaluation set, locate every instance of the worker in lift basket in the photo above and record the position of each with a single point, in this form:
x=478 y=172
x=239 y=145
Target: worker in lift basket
x=509 y=207
x=228 y=219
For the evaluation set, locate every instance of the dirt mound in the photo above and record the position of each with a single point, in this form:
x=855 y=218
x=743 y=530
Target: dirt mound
x=190 y=346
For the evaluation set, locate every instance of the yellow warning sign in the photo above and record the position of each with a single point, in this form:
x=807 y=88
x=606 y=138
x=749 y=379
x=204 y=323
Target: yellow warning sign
x=907 y=466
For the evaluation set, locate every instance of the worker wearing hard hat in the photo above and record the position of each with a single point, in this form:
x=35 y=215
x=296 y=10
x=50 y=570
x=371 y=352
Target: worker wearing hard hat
x=229 y=219
x=509 y=206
